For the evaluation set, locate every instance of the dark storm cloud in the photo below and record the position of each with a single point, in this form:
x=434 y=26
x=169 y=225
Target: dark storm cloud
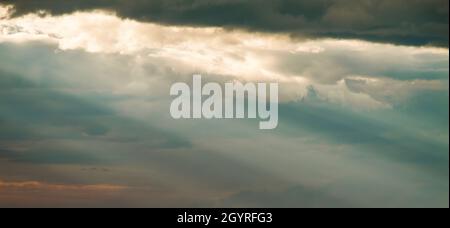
x=409 y=22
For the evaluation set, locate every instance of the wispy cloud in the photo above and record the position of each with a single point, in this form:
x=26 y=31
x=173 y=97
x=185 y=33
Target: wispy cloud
x=35 y=185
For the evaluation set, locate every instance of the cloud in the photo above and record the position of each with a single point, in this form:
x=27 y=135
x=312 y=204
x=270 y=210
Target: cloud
x=43 y=194
x=35 y=185
x=30 y=194
x=406 y=22
x=293 y=197
x=153 y=49
x=361 y=123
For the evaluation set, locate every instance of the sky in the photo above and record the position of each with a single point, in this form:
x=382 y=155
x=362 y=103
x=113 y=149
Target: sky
x=363 y=103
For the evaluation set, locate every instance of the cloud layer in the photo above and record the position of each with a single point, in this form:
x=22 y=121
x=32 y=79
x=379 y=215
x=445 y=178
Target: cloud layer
x=417 y=22
x=84 y=99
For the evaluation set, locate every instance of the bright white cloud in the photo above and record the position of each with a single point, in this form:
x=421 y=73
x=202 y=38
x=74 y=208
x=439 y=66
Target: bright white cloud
x=297 y=65
x=5 y=11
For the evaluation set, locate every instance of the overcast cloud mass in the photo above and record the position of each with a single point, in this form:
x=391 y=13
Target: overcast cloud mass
x=84 y=103
x=416 y=22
